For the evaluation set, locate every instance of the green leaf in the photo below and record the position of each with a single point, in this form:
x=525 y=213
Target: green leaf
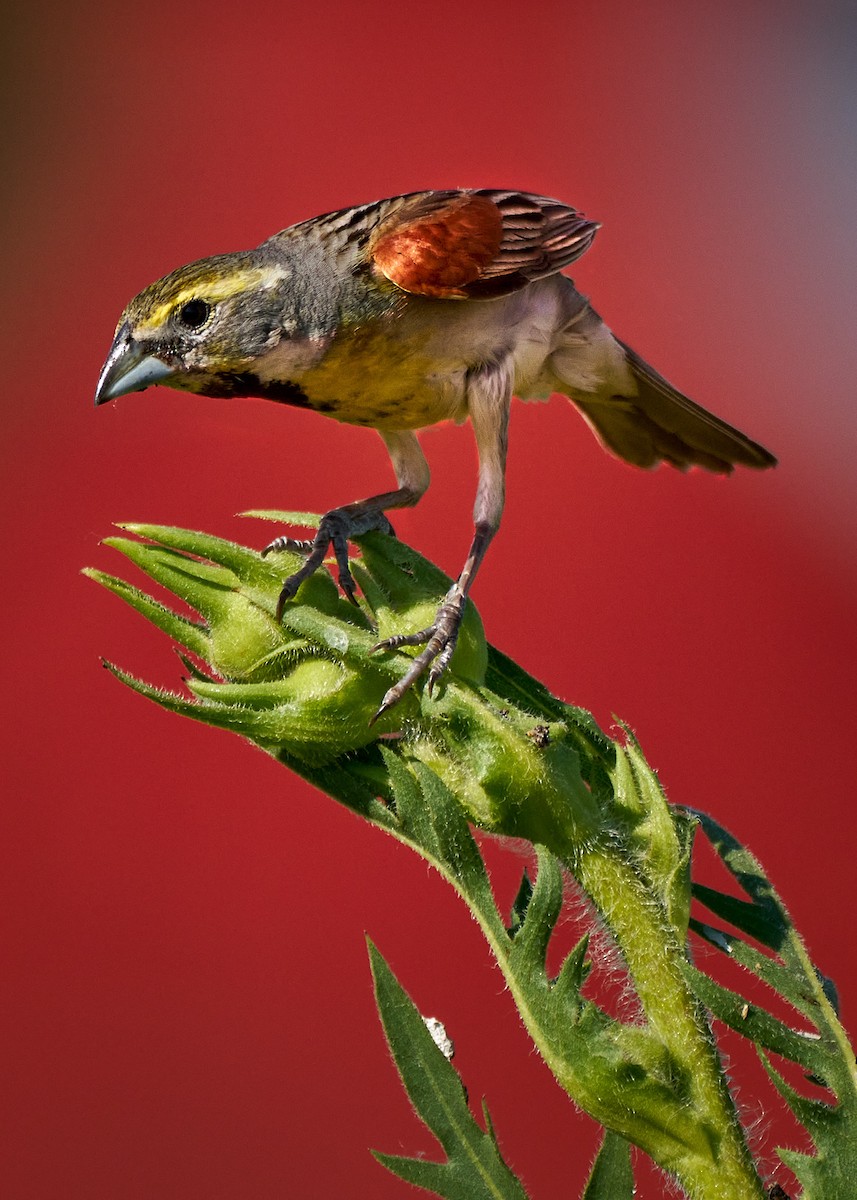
x=829 y=1174
x=474 y=1168
x=760 y=921
x=543 y=909
x=756 y=1023
x=793 y=986
x=572 y=976
x=824 y=1052
x=764 y=918
x=431 y=817
x=612 y=1176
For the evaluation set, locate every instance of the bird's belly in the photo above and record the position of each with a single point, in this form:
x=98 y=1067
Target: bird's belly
x=386 y=384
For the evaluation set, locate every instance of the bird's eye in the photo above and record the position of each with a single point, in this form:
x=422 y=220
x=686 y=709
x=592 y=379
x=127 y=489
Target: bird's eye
x=194 y=314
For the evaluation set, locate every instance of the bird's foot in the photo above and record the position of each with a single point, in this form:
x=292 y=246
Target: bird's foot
x=439 y=639
x=334 y=531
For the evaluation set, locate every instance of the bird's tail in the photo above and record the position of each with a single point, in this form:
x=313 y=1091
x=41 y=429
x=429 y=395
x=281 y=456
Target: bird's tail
x=643 y=419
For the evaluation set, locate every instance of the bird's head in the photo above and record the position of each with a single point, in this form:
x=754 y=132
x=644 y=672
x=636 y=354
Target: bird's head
x=201 y=329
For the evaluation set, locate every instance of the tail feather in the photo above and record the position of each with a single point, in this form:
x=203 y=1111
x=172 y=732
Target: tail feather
x=650 y=421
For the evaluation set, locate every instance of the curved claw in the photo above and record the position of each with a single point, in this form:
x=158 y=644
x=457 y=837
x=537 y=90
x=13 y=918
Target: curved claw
x=334 y=530
x=441 y=662
x=440 y=640
x=289 y=588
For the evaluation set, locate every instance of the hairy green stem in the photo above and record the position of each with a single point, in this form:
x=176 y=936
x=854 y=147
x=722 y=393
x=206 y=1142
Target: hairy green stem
x=639 y=926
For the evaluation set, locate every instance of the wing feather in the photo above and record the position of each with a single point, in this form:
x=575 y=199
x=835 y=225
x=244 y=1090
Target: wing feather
x=477 y=244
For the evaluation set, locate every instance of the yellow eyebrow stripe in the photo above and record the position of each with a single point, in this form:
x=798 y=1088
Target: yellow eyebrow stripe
x=213 y=288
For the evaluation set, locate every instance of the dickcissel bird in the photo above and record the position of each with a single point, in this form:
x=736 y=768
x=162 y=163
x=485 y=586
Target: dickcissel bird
x=433 y=306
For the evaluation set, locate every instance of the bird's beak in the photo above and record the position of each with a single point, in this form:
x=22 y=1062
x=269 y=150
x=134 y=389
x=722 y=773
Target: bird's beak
x=128 y=369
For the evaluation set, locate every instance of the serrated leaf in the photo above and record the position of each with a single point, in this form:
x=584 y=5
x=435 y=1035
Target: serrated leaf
x=474 y=1168
x=829 y=1174
x=762 y=923
x=433 y=818
x=791 y=985
x=531 y=944
x=755 y=1022
x=827 y=1055
x=572 y=975
x=765 y=919
x=830 y=991
x=612 y=1176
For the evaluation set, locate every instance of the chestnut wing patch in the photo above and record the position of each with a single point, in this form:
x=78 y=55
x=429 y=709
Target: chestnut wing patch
x=440 y=251
x=477 y=244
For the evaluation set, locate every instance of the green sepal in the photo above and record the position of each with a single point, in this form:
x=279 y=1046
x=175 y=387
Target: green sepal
x=206 y=586
x=192 y=669
x=260 y=579
x=193 y=635
x=245 y=564
x=505 y=678
x=403 y=589
x=299 y=520
x=509 y=780
x=171 y=701
x=242 y=634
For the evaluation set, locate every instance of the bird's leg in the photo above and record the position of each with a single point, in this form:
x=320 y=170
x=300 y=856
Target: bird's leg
x=489 y=397
x=352 y=520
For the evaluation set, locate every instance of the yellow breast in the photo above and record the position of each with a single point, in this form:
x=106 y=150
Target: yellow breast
x=367 y=377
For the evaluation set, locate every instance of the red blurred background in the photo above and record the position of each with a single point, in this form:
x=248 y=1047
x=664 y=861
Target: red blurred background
x=187 y=1003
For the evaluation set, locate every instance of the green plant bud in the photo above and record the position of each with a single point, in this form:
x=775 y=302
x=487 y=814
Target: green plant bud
x=403 y=590
x=305 y=687
x=514 y=774
x=241 y=636
x=317 y=712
